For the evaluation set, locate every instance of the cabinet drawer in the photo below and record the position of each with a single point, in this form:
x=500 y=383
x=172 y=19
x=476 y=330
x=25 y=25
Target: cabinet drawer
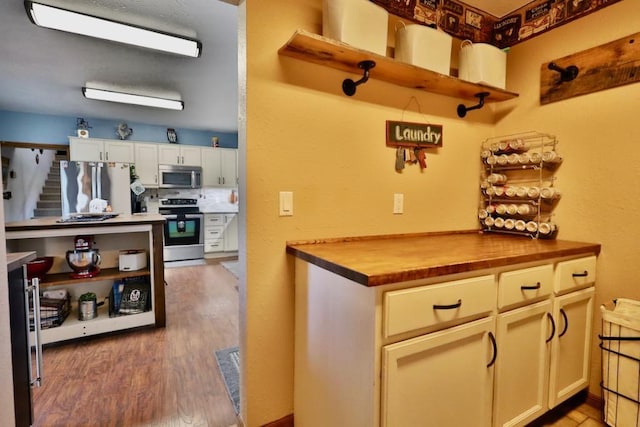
x=213 y=219
x=213 y=233
x=575 y=274
x=526 y=285
x=214 y=246
x=410 y=309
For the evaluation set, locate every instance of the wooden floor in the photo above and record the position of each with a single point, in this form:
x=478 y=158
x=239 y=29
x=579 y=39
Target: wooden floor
x=150 y=377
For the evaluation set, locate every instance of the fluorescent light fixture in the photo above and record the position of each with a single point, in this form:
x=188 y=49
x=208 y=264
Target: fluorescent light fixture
x=130 y=98
x=74 y=22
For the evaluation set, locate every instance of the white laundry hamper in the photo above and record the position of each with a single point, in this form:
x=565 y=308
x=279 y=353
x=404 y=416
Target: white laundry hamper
x=620 y=344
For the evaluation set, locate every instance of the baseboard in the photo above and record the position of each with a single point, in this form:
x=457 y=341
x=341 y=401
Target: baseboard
x=286 y=421
x=594 y=401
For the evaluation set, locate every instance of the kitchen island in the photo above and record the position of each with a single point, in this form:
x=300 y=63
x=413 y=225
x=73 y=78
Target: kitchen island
x=48 y=237
x=452 y=328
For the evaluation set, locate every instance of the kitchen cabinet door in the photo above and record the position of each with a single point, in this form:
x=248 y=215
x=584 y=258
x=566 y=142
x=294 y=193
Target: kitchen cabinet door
x=172 y=154
x=439 y=379
x=86 y=150
x=230 y=232
x=190 y=155
x=118 y=151
x=100 y=150
x=219 y=167
x=229 y=167
x=522 y=365
x=146 y=161
x=570 y=349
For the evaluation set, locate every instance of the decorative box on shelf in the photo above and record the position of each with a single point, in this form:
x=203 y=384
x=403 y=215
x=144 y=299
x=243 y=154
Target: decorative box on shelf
x=517 y=186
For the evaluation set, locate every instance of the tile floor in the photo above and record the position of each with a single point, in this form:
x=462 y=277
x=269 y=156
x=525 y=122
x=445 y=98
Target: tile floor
x=571 y=414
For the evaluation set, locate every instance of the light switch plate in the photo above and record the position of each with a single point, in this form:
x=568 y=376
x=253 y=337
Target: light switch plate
x=286 y=203
x=398 y=203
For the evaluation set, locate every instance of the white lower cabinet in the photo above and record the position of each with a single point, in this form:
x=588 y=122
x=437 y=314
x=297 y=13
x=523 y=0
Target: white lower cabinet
x=544 y=347
x=220 y=233
x=428 y=380
x=499 y=349
x=522 y=366
x=571 y=349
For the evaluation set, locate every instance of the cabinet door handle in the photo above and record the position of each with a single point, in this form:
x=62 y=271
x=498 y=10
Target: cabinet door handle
x=583 y=274
x=448 y=307
x=495 y=349
x=566 y=323
x=530 y=287
x=106 y=156
x=553 y=327
x=34 y=289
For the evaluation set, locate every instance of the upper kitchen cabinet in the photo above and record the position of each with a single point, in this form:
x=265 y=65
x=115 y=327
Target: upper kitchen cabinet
x=146 y=161
x=184 y=155
x=219 y=167
x=100 y=150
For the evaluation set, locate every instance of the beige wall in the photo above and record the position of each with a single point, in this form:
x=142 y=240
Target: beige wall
x=303 y=135
x=599 y=137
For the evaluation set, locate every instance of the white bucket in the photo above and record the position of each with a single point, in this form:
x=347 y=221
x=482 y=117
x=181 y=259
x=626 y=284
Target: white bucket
x=482 y=63
x=360 y=23
x=424 y=47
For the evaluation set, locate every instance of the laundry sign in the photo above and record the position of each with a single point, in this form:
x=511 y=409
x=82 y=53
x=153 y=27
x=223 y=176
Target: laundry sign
x=413 y=135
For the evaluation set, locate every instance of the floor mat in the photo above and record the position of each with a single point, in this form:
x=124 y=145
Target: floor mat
x=229 y=364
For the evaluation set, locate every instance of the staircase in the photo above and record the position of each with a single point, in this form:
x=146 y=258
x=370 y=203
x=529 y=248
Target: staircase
x=50 y=202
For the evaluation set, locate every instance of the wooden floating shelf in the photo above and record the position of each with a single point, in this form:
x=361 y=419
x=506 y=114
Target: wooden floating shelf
x=341 y=56
x=57 y=279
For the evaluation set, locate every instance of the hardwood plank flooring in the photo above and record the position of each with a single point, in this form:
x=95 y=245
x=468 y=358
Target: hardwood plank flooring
x=150 y=377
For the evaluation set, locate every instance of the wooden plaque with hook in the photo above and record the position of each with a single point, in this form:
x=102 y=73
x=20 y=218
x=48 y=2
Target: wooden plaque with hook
x=613 y=64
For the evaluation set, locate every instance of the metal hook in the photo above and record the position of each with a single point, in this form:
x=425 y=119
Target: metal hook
x=349 y=86
x=566 y=74
x=462 y=110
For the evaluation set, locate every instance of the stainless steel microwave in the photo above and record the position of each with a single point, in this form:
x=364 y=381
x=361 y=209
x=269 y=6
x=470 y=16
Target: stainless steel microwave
x=174 y=176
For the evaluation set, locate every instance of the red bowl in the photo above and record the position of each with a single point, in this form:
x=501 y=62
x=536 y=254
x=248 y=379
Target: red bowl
x=39 y=267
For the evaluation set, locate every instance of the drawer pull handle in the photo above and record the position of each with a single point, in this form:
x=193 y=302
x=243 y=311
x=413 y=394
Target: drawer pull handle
x=448 y=307
x=495 y=349
x=553 y=327
x=531 y=287
x=566 y=323
x=583 y=274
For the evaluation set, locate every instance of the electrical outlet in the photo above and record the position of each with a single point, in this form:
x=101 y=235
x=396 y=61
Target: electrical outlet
x=398 y=203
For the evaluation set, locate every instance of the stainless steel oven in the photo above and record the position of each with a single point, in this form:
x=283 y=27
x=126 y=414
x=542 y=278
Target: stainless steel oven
x=183 y=229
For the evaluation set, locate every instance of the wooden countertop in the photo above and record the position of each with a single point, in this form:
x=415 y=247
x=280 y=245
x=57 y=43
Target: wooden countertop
x=50 y=222
x=16 y=259
x=379 y=260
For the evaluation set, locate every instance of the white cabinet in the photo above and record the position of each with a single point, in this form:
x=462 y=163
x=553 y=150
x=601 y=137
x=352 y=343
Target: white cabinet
x=220 y=233
x=230 y=232
x=100 y=150
x=497 y=349
x=173 y=154
x=146 y=161
x=546 y=343
x=219 y=167
x=571 y=349
x=522 y=366
x=451 y=370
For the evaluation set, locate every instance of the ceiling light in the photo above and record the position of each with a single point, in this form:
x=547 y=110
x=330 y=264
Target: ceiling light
x=130 y=98
x=88 y=25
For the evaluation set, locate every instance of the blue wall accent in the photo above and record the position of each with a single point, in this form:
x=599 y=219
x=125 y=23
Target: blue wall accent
x=49 y=129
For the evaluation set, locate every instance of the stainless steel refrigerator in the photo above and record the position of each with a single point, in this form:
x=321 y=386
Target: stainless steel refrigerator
x=81 y=182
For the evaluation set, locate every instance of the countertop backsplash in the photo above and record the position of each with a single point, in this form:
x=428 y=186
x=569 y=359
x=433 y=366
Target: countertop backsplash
x=210 y=200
